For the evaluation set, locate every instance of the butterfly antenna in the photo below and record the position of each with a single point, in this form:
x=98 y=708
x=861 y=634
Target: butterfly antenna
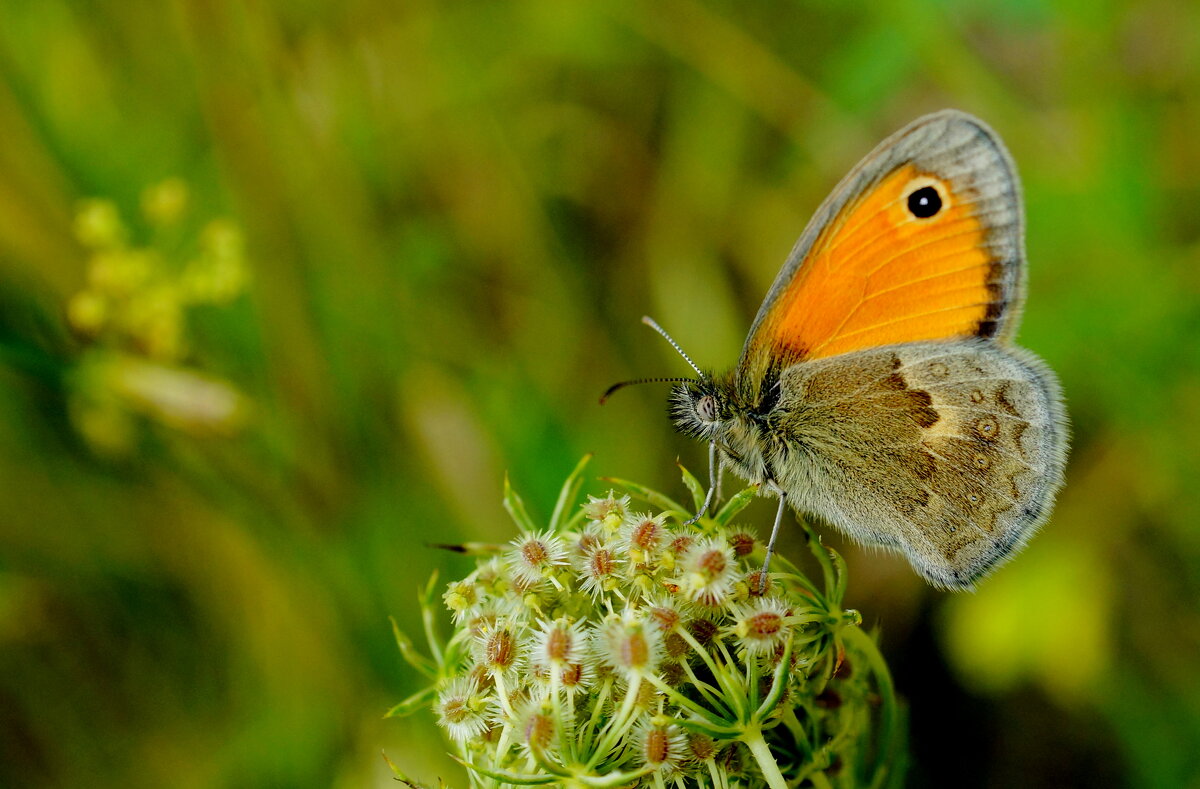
x=621 y=385
x=646 y=319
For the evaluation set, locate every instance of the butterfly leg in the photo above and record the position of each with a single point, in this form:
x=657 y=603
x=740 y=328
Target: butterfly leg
x=712 y=484
x=762 y=587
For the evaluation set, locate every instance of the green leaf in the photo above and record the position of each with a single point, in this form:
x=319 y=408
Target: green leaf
x=693 y=485
x=612 y=779
x=779 y=682
x=821 y=552
x=401 y=777
x=519 y=779
x=889 y=768
x=516 y=508
x=410 y=653
x=560 y=520
x=838 y=593
x=429 y=595
x=648 y=495
x=417 y=701
x=737 y=502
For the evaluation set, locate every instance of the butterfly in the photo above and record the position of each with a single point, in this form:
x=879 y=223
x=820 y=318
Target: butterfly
x=879 y=389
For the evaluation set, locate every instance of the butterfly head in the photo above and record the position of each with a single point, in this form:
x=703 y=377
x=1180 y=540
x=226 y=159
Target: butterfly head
x=699 y=408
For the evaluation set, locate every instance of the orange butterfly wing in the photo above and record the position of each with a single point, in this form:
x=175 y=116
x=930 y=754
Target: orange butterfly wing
x=875 y=267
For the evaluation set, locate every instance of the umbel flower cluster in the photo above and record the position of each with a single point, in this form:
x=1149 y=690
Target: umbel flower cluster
x=615 y=646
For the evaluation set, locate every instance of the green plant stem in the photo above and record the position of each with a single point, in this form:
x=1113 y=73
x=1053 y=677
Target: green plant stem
x=762 y=754
x=619 y=722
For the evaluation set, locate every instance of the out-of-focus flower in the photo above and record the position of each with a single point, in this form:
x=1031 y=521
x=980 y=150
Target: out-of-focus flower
x=111 y=388
x=219 y=273
x=164 y=203
x=98 y=224
x=133 y=316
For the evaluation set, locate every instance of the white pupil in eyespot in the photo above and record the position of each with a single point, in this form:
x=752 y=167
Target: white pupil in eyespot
x=706 y=408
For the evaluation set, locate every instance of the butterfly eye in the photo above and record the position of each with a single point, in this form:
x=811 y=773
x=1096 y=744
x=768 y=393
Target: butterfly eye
x=706 y=408
x=924 y=202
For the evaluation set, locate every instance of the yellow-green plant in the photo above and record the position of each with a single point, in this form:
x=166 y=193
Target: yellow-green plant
x=612 y=646
x=131 y=319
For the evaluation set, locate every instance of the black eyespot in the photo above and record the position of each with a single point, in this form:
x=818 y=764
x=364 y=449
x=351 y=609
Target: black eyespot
x=924 y=202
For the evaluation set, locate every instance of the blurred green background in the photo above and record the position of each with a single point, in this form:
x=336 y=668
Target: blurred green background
x=453 y=216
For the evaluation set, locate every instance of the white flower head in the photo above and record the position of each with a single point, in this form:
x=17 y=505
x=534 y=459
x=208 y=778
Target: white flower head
x=600 y=569
x=462 y=709
x=707 y=572
x=761 y=626
x=534 y=557
x=497 y=647
x=661 y=744
x=628 y=642
x=608 y=511
x=536 y=726
x=559 y=644
x=643 y=536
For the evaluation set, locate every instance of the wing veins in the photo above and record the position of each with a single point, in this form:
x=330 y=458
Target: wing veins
x=884 y=324
x=918 y=281
x=863 y=298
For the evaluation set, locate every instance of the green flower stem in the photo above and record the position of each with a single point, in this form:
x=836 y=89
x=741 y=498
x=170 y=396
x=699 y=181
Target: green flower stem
x=797 y=730
x=427 y=621
x=502 y=745
x=566 y=732
x=701 y=651
x=820 y=781
x=718 y=777
x=808 y=586
x=568 y=494
x=617 y=726
x=588 y=734
x=732 y=692
x=677 y=697
x=752 y=677
x=705 y=690
x=502 y=692
x=753 y=739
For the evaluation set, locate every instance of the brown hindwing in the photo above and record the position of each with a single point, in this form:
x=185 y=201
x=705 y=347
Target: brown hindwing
x=949 y=451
